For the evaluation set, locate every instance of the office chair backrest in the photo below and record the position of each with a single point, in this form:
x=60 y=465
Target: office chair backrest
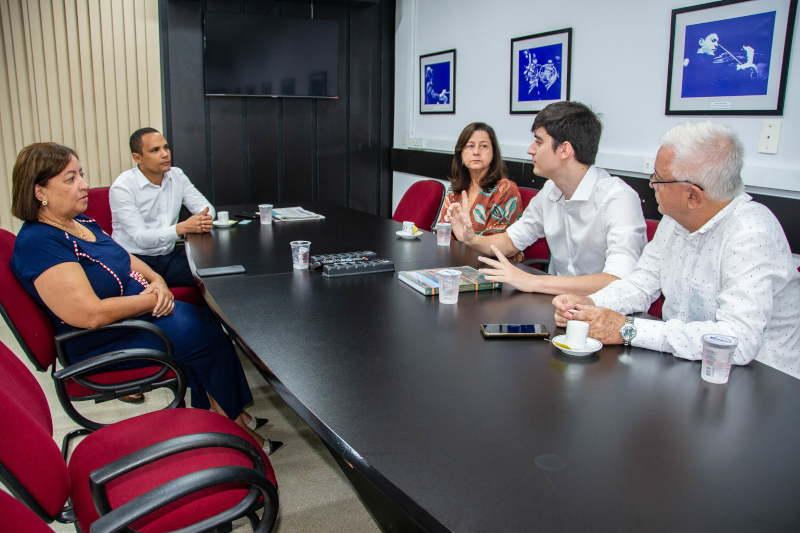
x=27 y=450
x=652 y=226
x=421 y=204
x=22 y=385
x=17 y=517
x=24 y=317
x=539 y=249
x=99 y=208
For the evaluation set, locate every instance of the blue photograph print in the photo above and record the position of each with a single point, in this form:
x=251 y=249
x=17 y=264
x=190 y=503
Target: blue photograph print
x=437 y=83
x=540 y=73
x=728 y=57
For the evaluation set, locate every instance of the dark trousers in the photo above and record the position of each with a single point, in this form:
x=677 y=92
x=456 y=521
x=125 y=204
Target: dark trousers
x=173 y=267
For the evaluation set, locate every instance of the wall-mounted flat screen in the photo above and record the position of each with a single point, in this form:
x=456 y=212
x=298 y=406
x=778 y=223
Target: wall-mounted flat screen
x=247 y=55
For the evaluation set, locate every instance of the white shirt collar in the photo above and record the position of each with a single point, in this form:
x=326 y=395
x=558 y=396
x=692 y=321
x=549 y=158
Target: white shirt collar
x=142 y=181
x=584 y=190
x=724 y=212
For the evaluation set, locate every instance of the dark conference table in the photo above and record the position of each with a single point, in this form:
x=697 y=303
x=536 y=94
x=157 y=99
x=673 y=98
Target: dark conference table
x=458 y=433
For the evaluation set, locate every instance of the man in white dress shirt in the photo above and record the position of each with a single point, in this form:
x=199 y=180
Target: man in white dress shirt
x=145 y=204
x=593 y=221
x=721 y=260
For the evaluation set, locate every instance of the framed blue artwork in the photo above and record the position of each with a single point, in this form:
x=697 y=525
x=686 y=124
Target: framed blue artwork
x=540 y=70
x=437 y=75
x=730 y=57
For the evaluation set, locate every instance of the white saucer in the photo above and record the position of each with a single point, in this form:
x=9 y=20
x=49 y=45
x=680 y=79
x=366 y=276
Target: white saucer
x=592 y=345
x=227 y=224
x=409 y=235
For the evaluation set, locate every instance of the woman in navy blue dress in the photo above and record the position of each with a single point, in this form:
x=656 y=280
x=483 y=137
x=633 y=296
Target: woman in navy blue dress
x=83 y=279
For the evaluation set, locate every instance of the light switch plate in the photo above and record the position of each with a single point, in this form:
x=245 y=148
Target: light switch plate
x=649 y=165
x=770 y=134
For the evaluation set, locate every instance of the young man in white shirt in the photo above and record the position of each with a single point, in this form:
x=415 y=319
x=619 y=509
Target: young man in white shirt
x=721 y=261
x=145 y=204
x=593 y=221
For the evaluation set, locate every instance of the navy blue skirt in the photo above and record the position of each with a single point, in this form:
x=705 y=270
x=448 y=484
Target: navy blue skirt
x=201 y=347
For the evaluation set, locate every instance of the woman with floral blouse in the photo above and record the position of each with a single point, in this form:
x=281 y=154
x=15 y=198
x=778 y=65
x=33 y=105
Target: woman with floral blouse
x=479 y=181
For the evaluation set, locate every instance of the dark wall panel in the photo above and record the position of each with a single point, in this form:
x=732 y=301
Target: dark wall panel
x=225 y=6
x=386 y=115
x=227 y=166
x=263 y=150
x=186 y=127
x=364 y=108
x=244 y=150
x=298 y=150
x=332 y=122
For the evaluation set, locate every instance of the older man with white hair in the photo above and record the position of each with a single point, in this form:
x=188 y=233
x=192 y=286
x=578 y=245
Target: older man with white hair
x=721 y=260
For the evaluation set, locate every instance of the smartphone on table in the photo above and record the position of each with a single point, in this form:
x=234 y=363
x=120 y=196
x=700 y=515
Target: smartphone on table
x=514 y=330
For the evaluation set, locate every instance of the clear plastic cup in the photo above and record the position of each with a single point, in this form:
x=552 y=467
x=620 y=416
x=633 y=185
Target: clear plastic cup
x=300 y=252
x=443 y=232
x=265 y=210
x=449 y=283
x=717 y=357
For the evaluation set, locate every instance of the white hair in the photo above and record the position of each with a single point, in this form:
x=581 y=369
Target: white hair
x=708 y=154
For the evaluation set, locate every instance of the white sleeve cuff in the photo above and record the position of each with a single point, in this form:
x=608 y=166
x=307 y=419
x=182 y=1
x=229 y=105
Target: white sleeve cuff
x=648 y=334
x=517 y=235
x=620 y=269
x=171 y=234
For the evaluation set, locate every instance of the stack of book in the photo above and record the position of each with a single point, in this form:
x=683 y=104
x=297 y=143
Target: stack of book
x=426 y=282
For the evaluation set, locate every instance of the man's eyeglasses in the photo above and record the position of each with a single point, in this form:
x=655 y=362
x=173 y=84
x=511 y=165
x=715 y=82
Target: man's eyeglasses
x=654 y=182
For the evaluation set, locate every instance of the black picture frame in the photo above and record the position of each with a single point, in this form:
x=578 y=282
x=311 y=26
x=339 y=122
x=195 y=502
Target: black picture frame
x=540 y=78
x=429 y=61
x=723 y=77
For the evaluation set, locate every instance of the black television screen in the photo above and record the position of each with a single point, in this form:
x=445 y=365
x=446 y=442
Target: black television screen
x=249 y=55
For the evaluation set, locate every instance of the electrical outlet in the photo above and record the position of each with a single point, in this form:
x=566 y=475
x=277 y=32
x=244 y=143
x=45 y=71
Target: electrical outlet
x=768 y=141
x=415 y=143
x=649 y=165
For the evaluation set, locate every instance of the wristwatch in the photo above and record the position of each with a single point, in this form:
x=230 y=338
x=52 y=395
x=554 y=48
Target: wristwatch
x=627 y=331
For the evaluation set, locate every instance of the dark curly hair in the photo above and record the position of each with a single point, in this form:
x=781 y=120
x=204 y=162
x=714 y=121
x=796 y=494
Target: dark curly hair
x=460 y=178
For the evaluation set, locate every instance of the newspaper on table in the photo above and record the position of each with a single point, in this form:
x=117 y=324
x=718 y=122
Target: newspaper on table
x=293 y=213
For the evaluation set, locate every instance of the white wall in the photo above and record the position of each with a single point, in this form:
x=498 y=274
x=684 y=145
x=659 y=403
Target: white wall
x=619 y=52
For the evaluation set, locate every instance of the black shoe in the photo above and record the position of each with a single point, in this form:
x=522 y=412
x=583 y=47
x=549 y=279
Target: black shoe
x=256 y=422
x=270 y=446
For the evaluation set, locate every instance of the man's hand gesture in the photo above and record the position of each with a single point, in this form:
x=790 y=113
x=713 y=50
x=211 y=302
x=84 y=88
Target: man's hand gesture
x=199 y=223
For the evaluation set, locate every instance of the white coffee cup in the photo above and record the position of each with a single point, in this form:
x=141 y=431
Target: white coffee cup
x=577 y=332
x=222 y=217
x=408 y=227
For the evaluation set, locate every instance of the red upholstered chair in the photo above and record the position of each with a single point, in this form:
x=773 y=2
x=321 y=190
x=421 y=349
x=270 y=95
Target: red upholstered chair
x=156 y=472
x=538 y=253
x=99 y=208
x=17 y=517
x=655 y=309
x=421 y=204
x=44 y=348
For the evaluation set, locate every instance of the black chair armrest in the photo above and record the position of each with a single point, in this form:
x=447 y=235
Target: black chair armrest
x=138 y=508
x=97 y=362
x=176 y=489
x=63 y=338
